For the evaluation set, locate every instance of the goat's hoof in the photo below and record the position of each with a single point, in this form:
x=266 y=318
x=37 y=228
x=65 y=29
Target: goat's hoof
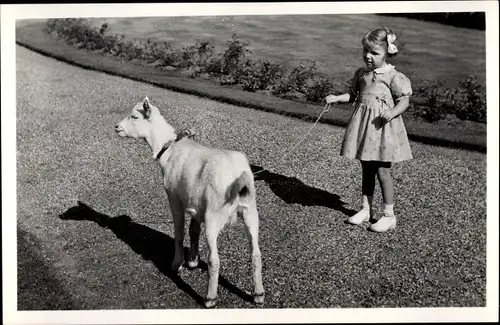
x=258 y=298
x=193 y=264
x=210 y=303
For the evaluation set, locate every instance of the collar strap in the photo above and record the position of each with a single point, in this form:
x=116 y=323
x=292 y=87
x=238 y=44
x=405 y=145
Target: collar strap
x=164 y=148
x=184 y=133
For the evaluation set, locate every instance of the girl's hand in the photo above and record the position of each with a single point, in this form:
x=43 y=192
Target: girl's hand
x=387 y=115
x=331 y=99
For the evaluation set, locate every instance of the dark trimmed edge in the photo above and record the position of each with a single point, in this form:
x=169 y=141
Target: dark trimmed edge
x=34 y=38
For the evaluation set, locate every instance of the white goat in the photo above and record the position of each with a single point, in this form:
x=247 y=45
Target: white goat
x=210 y=185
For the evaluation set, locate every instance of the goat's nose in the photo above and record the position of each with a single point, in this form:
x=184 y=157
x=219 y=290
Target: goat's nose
x=117 y=126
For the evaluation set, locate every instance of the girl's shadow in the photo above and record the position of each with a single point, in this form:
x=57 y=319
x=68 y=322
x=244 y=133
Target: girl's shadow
x=152 y=245
x=293 y=190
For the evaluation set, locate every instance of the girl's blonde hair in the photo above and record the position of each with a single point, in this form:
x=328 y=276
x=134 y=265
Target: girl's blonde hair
x=379 y=36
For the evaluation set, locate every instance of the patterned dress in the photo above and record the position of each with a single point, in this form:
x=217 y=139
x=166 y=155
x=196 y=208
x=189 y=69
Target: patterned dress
x=367 y=136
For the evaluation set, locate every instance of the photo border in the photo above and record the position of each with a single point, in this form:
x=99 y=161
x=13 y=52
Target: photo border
x=9 y=14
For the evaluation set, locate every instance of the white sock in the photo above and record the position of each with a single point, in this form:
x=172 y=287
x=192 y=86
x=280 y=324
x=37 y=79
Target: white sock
x=367 y=202
x=389 y=209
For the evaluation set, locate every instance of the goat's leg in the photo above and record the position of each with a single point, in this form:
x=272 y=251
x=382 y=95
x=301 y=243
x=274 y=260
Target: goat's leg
x=194 y=234
x=211 y=232
x=178 y=215
x=251 y=220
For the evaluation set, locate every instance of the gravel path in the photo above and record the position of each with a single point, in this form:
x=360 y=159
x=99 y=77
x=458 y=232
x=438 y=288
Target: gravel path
x=68 y=152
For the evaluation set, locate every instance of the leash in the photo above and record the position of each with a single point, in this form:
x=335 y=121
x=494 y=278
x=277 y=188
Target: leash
x=325 y=109
x=190 y=133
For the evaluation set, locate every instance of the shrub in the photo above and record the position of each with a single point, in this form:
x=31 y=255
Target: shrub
x=127 y=50
x=205 y=52
x=196 y=56
x=439 y=101
x=77 y=31
x=470 y=101
x=260 y=75
x=116 y=45
x=66 y=28
x=467 y=101
x=163 y=52
x=319 y=89
x=156 y=51
x=295 y=84
x=214 y=66
x=232 y=61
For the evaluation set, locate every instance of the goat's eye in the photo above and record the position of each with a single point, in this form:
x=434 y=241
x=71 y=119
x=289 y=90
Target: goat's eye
x=134 y=117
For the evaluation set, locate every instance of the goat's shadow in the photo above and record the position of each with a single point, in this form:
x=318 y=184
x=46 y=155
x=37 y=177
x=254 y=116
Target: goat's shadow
x=152 y=245
x=293 y=190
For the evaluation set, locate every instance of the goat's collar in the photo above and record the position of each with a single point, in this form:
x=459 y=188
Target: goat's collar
x=184 y=133
x=164 y=148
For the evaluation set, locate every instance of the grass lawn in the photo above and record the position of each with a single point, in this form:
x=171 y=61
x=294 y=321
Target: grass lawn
x=431 y=51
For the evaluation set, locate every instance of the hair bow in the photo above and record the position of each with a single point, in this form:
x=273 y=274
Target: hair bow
x=391 y=47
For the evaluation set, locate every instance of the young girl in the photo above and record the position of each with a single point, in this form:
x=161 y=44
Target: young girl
x=376 y=133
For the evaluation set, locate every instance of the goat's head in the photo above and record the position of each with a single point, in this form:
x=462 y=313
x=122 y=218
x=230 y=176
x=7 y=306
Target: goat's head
x=139 y=123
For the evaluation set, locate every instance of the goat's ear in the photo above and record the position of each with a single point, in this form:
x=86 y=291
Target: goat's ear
x=147 y=107
x=145 y=103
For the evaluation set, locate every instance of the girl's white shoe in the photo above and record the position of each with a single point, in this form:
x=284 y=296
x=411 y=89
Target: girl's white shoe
x=385 y=223
x=360 y=217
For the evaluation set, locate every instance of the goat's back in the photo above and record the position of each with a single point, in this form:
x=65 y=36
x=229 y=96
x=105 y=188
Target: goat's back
x=199 y=175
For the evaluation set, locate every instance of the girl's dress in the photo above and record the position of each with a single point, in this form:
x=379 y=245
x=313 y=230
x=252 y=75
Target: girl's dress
x=367 y=136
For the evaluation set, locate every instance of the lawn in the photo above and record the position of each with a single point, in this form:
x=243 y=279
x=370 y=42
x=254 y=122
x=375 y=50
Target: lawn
x=431 y=51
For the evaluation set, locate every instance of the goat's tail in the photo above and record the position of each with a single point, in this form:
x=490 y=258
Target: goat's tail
x=241 y=188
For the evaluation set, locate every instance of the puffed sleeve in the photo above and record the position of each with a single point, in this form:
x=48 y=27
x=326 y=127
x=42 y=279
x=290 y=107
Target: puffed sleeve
x=354 y=86
x=400 y=86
